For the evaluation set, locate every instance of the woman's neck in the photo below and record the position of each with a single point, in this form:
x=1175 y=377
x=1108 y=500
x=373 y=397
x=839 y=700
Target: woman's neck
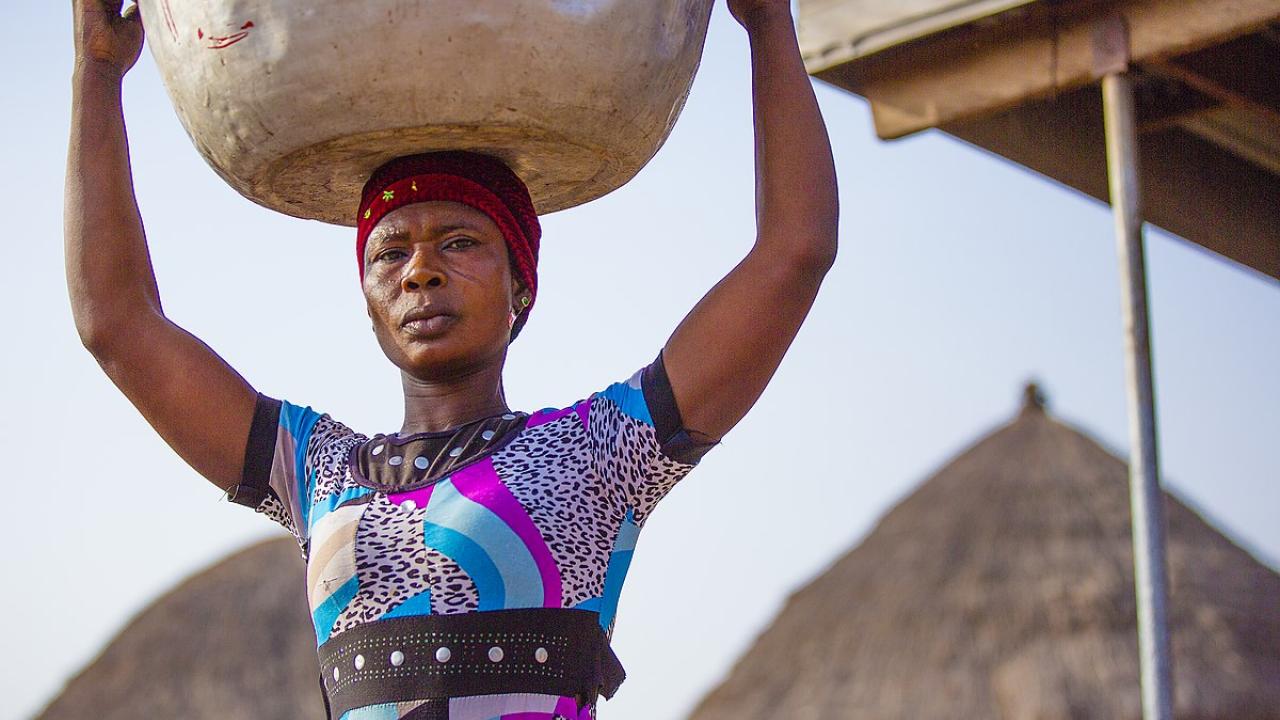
x=435 y=405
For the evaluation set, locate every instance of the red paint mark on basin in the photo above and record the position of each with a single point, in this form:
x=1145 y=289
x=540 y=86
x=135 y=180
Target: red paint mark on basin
x=225 y=41
x=168 y=20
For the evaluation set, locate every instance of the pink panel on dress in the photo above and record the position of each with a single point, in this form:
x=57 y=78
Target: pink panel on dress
x=584 y=413
x=542 y=417
x=420 y=497
x=480 y=483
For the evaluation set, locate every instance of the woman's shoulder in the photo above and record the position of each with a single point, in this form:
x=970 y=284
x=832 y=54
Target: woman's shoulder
x=334 y=440
x=317 y=437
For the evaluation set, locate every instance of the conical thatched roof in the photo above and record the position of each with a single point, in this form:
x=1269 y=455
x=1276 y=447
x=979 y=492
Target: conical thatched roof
x=1003 y=588
x=234 y=641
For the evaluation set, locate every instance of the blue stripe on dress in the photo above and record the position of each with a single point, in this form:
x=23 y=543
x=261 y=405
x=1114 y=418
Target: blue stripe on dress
x=419 y=604
x=299 y=422
x=472 y=559
x=327 y=613
x=519 y=579
x=630 y=400
x=333 y=502
x=619 y=563
x=385 y=711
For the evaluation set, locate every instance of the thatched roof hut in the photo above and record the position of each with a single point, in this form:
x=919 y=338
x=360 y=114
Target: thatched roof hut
x=234 y=641
x=1003 y=588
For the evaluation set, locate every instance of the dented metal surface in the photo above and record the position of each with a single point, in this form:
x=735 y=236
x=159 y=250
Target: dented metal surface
x=295 y=103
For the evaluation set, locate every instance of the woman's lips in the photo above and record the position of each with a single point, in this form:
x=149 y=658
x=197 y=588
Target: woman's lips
x=428 y=327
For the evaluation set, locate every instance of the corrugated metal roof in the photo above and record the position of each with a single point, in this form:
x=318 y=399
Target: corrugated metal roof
x=837 y=31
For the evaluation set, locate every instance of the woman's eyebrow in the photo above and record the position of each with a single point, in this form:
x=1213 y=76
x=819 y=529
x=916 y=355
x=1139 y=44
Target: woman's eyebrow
x=460 y=225
x=387 y=235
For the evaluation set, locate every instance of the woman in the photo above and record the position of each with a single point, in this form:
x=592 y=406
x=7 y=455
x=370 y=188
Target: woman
x=468 y=565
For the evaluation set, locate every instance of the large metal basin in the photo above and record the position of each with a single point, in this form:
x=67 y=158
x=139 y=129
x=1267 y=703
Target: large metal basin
x=295 y=102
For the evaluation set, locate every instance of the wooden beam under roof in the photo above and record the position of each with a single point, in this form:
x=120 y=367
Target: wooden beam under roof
x=1034 y=52
x=1021 y=84
x=1191 y=187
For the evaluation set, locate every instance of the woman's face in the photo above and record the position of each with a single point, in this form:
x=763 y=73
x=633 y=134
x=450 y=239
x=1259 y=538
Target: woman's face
x=439 y=288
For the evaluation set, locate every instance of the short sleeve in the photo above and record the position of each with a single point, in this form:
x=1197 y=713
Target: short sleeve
x=291 y=454
x=639 y=441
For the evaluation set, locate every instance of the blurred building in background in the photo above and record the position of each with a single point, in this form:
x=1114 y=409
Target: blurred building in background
x=232 y=643
x=1003 y=588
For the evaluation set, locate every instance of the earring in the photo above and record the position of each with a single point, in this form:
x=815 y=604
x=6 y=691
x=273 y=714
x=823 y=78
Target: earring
x=524 y=301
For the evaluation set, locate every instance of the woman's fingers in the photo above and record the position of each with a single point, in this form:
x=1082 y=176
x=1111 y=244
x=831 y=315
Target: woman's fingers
x=132 y=25
x=106 y=35
x=133 y=17
x=106 y=7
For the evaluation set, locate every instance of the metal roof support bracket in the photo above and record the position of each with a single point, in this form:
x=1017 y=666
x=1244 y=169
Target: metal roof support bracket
x=1111 y=58
x=1111 y=49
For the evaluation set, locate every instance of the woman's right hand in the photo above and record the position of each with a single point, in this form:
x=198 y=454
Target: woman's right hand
x=104 y=37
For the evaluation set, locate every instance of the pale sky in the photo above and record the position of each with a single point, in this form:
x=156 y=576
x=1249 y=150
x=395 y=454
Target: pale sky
x=960 y=276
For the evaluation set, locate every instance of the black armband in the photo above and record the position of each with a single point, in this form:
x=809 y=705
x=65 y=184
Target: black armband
x=674 y=439
x=259 y=453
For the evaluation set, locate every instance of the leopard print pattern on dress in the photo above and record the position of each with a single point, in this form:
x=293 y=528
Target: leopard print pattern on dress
x=273 y=508
x=393 y=564
x=548 y=469
x=628 y=456
x=327 y=454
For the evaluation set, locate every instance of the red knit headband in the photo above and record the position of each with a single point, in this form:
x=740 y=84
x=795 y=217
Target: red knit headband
x=480 y=181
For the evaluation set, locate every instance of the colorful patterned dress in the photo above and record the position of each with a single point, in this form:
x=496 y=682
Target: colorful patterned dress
x=544 y=515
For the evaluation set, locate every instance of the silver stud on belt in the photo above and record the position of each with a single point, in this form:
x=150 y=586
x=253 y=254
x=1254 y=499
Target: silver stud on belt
x=397 y=659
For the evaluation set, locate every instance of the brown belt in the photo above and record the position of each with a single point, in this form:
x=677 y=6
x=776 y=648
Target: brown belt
x=553 y=651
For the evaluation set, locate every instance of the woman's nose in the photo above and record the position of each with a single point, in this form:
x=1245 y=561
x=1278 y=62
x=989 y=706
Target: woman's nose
x=421 y=273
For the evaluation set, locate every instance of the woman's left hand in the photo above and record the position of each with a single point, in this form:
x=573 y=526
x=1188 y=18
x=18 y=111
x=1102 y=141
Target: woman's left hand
x=744 y=11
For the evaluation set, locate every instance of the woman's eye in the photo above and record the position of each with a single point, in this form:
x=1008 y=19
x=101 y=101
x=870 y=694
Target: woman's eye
x=461 y=242
x=390 y=255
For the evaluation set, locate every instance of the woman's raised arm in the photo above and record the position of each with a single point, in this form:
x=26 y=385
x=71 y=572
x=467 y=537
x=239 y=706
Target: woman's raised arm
x=724 y=353
x=198 y=404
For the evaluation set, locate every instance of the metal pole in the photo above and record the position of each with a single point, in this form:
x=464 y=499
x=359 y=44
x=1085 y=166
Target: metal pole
x=1146 y=500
